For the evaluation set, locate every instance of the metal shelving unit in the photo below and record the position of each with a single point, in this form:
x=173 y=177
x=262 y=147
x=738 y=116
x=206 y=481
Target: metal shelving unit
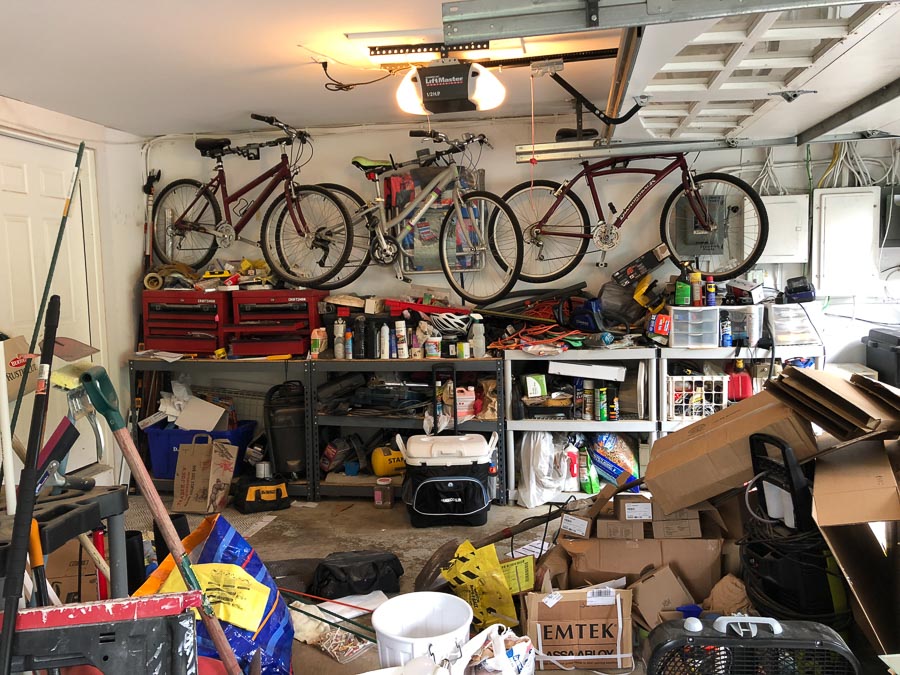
x=247 y=370
x=649 y=425
x=362 y=486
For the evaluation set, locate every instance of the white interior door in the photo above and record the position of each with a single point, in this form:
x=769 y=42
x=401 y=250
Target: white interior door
x=34 y=184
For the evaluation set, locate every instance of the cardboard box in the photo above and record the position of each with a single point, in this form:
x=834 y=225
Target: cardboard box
x=617 y=529
x=15 y=366
x=696 y=561
x=578 y=527
x=582 y=629
x=677 y=529
x=373 y=305
x=203 y=475
x=853 y=488
x=658 y=591
x=712 y=455
x=633 y=507
x=63 y=570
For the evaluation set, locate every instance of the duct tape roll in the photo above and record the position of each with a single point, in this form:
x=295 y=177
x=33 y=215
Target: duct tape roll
x=264 y=469
x=153 y=281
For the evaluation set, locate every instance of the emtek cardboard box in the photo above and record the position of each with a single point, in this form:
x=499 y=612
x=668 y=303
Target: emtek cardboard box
x=617 y=529
x=712 y=456
x=585 y=628
x=698 y=562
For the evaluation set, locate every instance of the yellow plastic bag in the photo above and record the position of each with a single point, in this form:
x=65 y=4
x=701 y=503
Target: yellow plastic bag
x=476 y=577
x=235 y=596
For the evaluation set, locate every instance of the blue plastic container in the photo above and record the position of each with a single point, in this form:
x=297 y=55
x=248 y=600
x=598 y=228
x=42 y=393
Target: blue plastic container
x=164 y=444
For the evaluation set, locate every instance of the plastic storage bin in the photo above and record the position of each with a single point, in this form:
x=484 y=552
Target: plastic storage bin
x=164 y=445
x=693 y=397
x=694 y=327
x=746 y=323
x=790 y=325
x=883 y=354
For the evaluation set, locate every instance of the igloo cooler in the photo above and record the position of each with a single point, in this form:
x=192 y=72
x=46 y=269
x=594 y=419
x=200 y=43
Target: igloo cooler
x=447 y=478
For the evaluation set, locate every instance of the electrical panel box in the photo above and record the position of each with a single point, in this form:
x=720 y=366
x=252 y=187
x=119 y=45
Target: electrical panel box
x=845 y=241
x=788 y=229
x=889 y=236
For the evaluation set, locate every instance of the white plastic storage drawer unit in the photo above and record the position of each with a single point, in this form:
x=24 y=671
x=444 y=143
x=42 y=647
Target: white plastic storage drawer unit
x=694 y=327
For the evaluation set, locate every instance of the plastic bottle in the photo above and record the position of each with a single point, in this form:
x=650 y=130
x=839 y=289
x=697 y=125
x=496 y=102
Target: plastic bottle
x=340 y=329
x=587 y=473
x=479 y=348
x=725 y=337
x=359 y=334
x=392 y=344
x=710 y=292
x=740 y=384
x=384 y=341
x=348 y=344
x=338 y=345
x=438 y=398
x=696 y=289
x=587 y=408
x=400 y=336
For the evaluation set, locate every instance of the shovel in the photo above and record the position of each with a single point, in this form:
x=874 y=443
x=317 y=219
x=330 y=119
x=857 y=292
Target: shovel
x=103 y=396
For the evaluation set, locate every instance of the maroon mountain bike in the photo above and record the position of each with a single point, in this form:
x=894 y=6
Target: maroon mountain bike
x=713 y=223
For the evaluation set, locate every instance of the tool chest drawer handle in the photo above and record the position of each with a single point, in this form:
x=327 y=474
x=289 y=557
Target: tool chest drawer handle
x=723 y=622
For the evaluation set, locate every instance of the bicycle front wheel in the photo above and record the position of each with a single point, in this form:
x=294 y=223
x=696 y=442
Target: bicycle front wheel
x=364 y=223
x=314 y=249
x=480 y=247
x=720 y=226
x=563 y=239
x=185 y=216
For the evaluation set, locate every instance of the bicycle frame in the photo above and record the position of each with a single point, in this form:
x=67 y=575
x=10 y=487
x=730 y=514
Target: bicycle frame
x=280 y=173
x=608 y=167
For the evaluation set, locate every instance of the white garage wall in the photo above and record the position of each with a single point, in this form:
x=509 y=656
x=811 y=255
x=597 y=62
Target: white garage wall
x=118 y=175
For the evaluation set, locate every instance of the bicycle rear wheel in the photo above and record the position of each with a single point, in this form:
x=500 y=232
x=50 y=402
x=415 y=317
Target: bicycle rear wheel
x=364 y=224
x=736 y=231
x=183 y=207
x=315 y=252
x=564 y=238
x=481 y=251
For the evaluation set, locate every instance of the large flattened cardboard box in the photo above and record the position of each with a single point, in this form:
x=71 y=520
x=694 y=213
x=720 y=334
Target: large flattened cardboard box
x=585 y=628
x=853 y=488
x=712 y=456
x=697 y=562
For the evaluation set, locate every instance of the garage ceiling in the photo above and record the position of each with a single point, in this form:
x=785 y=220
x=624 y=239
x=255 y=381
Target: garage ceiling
x=186 y=67
x=172 y=66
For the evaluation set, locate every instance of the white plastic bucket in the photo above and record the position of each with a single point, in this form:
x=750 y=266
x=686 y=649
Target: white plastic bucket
x=416 y=624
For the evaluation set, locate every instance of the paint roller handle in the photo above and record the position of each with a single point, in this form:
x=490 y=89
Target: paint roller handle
x=103 y=396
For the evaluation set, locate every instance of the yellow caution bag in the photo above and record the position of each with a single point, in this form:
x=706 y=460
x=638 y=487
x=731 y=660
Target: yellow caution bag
x=476 y=577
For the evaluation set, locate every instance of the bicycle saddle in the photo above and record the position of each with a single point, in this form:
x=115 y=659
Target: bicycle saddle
x=572 y=134
x=210 y=147
x=372 y=165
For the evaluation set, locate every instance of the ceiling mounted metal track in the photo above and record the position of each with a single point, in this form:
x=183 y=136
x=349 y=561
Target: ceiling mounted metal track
x=579 y=150
x=467 y=20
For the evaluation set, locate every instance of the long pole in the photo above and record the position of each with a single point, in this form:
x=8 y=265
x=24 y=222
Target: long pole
x=102 y=394
x=6 y=435
x=18 y=549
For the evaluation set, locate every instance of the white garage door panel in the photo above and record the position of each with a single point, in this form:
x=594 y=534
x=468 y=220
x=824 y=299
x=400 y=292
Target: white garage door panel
x=34 y=182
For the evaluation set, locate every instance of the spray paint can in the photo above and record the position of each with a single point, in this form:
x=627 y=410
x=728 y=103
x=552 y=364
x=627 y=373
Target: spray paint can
x=600 y=403
x=402 y=344
x=587 y=407
x=725 y=337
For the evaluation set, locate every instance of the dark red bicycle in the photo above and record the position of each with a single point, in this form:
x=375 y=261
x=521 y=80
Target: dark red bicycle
x=713 y=223
x=306 y=234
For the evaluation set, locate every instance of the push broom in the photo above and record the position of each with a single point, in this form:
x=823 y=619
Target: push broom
x=102 y=394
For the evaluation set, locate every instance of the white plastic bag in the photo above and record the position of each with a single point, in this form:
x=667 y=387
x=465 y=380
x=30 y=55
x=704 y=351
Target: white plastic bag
x=544 y=465
x=503 y=652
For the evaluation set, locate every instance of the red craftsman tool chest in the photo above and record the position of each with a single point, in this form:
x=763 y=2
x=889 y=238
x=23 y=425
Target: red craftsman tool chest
x=273 y=322
x=188 y=322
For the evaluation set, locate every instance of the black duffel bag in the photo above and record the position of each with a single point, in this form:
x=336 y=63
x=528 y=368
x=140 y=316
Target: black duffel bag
x=357 y=572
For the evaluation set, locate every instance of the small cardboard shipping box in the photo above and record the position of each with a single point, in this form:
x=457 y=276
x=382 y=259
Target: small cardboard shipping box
x=73 y=577
x=617 y=529
x=203 y=475
x=698 y=562
x=578 y=527
x=633 y=507
x=656 y=592
x=586 y=628
x=712 y=455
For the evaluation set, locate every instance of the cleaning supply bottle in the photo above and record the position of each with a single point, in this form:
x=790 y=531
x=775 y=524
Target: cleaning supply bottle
x=359 y=335
x=587 y=409
x=401 y=337
x=696 y=289
x=587 y=473
x=479 y=348
x=392 y=344
x=384 y=341
x=710 y=292
x=338 y=344
x=348 y=344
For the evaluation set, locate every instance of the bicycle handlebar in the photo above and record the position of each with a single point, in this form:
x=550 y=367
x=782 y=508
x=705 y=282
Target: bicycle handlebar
x=268 y=119
x=302 y=136
x=421 y=133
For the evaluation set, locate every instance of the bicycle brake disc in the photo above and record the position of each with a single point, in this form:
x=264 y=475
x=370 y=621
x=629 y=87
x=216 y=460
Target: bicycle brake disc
x=606 y=237
x=384 y=255
x=225 y=235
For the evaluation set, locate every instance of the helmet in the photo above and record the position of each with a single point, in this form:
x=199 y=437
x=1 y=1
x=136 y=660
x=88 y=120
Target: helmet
x=451 y=325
